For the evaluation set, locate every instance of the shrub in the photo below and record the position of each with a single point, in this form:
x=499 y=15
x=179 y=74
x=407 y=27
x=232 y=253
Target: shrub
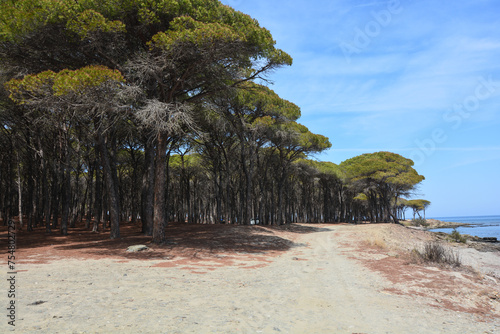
x=434 y=252
x=420 y=222
x=455 y=236
x=377 y=243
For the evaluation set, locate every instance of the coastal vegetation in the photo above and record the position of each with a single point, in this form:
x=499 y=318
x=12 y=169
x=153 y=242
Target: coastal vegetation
x=158 y=111
x=417 y=205
x=455 y=236
x=435 y=253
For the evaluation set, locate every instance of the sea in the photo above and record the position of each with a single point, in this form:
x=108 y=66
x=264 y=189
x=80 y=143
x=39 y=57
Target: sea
x=480 y=226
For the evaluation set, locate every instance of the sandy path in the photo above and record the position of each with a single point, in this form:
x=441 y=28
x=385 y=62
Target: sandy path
x=316 y=287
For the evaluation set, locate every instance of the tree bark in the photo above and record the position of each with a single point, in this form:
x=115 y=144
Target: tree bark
x=147 y=194
x=160 y=221
x=66 y=197
x=111 y=188
x=66 y=186
x=20 y=192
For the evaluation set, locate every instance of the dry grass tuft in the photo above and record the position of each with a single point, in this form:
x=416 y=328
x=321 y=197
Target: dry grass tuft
x=377 y=243
x=435 y=253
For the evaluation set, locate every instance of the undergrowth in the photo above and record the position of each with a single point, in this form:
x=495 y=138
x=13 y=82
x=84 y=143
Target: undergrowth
x=455 y=236
x=377 y=243
x=435 y=253
x=420 y=222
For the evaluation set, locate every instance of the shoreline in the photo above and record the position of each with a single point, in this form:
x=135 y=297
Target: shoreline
x=479 y=243
x=434 y=224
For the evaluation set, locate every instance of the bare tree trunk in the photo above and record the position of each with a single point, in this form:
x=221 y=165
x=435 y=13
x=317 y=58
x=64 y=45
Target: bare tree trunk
x=66 y=186
x=112 y=189
x=160 y=221
x=77 y=207
x=31 y=191
x=281 y=188
x=97 y=199
x=66 y=196
x=90 y=194
x=147 y=195
x=135 y=185
x=20 y=192
x=45 y=195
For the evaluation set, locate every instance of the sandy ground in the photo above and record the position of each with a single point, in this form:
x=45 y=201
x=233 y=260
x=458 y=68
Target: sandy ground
x=304 y=279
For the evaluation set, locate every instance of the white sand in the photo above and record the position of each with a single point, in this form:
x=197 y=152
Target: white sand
x=313 y=288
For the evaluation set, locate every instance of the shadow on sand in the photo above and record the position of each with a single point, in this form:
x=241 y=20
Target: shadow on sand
x=183 y=239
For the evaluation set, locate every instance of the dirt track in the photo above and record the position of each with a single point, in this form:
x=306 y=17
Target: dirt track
x=327 y=281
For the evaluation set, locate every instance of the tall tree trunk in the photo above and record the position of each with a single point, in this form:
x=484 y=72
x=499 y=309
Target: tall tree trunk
x=77 y=206
x=66 y=197
x=160 y=219
x=147 y=195
x=31 y=191
x=248 y=170
x=111 y=188
x=20 y=192
x=218 y=195
x=98 y=198
x=45 y=195
x=135 y=185
x=90 y=194
x=66 y=186
x=281 y=188
x=54 y=204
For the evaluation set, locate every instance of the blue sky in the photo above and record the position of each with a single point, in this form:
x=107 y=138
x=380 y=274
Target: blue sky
x=418 y=78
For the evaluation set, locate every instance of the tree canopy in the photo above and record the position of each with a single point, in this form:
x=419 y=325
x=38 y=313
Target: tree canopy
x=107 y=102
x=383 y=177
x=418 y=205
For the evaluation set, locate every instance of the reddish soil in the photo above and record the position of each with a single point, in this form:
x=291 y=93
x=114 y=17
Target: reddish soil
x=459 y=289
x=186 y=244
x=203 y=248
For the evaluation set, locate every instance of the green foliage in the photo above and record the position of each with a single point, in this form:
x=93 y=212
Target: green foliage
x=420 y=222
x=65 y=82
x=195 y=21
x=296 y=136
x=186 y=30
x=31 y=86
x=455 y=236
x=189 y=160
x=361 y=197
x=257 y=100
x=208 y=46
x=383 y=167
x=418 y=204
x=313 y=142
x=91 y=21
x=193 y=56
x=18 y=18
x=323 y=167
x=382 y=177
x=382 y=170
x=68 y=81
